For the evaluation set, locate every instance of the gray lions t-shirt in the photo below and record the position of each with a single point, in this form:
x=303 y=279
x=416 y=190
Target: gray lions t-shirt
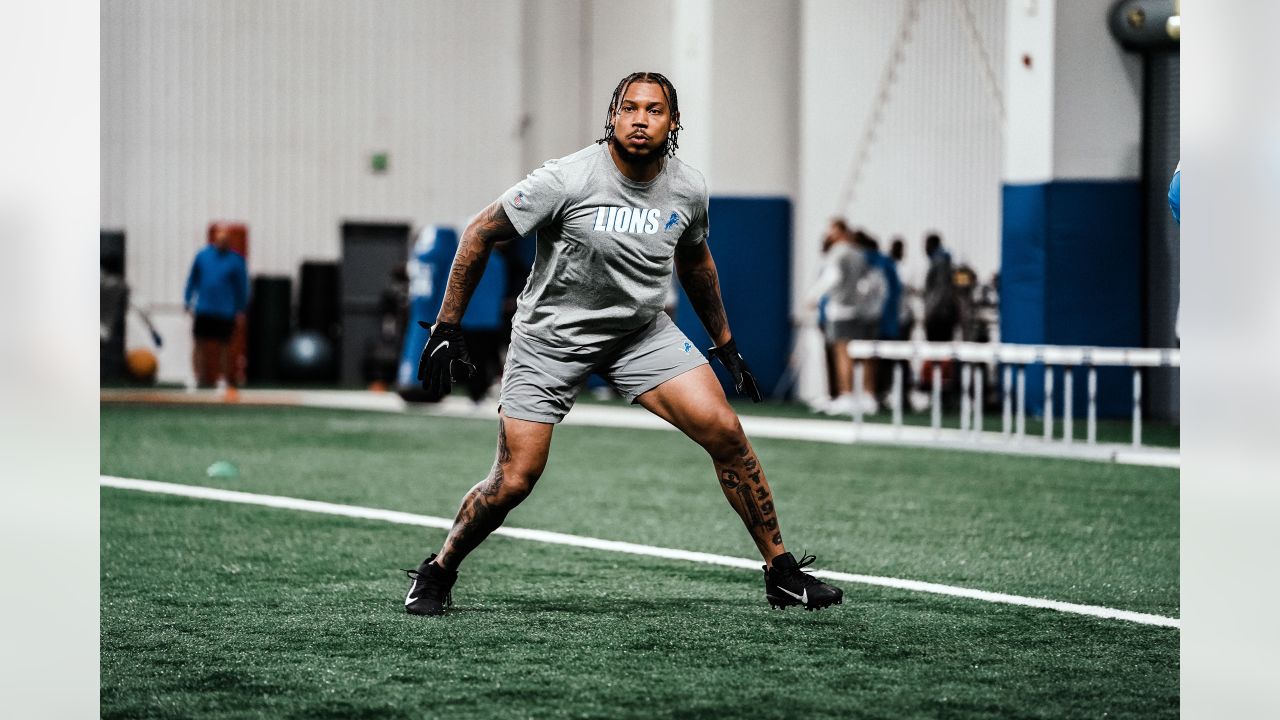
x=606 y=244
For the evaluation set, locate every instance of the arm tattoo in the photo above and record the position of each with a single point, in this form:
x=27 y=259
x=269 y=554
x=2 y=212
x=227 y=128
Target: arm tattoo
x=697 y=272
x=491 y=226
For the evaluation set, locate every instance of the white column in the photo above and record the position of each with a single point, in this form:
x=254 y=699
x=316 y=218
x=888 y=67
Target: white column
x=693 y=37
x=1029 y=90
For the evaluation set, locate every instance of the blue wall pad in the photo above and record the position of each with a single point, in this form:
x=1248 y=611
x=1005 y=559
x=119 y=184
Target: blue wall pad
x=1071 y=274
x=751 y=243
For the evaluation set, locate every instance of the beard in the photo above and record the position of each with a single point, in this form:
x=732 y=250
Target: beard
x=656 y=155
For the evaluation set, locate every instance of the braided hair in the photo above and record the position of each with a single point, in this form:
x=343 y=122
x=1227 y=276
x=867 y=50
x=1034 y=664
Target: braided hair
x=667 y=89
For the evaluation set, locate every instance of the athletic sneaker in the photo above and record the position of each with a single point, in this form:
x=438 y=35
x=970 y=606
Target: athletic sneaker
x=786 y=584
x=429 y=593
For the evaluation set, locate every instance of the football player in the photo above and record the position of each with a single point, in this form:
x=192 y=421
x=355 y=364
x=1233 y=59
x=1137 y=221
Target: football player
x=611 y=220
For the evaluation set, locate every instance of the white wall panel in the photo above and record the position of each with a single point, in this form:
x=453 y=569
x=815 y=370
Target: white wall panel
x=1097 y=131
x=624 y=38
x=756 y=98
x=574 y=54
x=267 y=112
x=559 y=115
x=935 y=159
x=693 y=29
x=1029 y=83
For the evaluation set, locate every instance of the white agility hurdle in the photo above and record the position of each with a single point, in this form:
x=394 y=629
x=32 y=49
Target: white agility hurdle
x=1015 y=358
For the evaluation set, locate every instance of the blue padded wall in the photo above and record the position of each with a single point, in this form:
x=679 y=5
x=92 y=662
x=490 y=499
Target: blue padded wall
x=751 y=243
x=1071 y=274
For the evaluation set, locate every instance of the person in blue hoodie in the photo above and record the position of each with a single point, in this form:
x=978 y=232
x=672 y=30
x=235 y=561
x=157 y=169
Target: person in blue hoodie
x=889 y=315
x=217 y=291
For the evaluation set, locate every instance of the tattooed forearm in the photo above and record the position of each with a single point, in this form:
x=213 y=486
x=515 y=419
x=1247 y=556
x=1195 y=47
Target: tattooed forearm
x=491 y=226
x=697 y=273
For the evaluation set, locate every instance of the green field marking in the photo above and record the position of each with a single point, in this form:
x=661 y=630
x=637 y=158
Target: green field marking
x=233 y=611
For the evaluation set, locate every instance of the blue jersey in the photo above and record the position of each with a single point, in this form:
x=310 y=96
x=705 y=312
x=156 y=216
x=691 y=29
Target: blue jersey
x=1175 y=194
x=892 y=298
x=218 y=284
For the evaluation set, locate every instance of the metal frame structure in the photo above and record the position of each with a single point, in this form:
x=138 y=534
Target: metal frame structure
x=1014 y=358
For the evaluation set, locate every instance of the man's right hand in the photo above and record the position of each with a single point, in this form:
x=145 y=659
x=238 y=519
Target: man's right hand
x=444 y=359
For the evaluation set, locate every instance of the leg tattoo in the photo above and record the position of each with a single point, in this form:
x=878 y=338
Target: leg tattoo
x=483 y=509
x=751 y=498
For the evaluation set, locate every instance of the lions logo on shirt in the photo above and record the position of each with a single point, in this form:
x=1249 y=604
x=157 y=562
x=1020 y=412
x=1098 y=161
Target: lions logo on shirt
x=631 y=220
x=671 y=221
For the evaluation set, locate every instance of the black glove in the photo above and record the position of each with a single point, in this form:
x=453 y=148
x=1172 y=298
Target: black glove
x=743 y=381
x=444 y=359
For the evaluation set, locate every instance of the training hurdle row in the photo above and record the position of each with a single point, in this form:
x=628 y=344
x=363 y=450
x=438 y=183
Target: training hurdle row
x=1010 y=356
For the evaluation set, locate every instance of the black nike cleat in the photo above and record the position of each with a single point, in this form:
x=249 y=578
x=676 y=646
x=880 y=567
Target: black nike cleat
x=429 y=593
x=785 y=584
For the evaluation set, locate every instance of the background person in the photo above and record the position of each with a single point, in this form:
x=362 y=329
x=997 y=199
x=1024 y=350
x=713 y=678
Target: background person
x=869 y=301
x=216 y=293
x=842 y=266
x=881 y=370
x=941 y=311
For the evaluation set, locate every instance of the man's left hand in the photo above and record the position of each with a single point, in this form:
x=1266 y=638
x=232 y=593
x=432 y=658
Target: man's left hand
x=444 y=359
x=743 y=379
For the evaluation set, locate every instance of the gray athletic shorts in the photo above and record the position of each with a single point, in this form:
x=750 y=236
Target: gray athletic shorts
x=541 y=381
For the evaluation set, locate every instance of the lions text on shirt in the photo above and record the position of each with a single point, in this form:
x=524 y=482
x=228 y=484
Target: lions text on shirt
x=606 y=244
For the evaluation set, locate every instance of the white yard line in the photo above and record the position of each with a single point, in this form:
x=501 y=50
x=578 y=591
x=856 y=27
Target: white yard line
x=403 y=518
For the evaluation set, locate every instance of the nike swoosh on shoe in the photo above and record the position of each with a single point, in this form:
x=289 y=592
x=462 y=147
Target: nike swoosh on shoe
x=802 y=597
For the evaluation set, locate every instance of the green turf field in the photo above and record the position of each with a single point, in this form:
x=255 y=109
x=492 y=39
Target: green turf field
x=218 y=610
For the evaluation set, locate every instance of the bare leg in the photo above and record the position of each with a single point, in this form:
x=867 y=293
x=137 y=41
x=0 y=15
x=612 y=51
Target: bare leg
x=695 y=404
x=208 y=361
x=224 y=363
x=521 y=457
x=197 y=364
x=844 y=369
